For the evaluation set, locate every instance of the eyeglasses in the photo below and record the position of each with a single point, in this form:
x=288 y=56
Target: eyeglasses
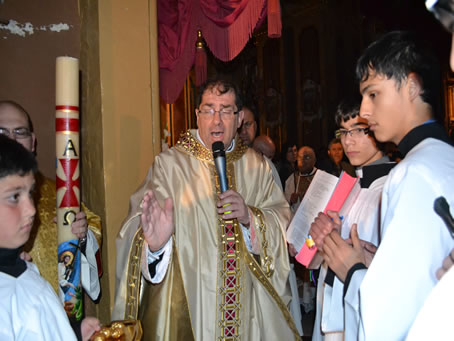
x=18 y=133
x=443 y=11
x=304 y=157
x=356 y=132
x=224 y=113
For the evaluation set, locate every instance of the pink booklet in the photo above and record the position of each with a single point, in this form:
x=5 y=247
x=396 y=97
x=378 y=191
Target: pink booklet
x=344 y=193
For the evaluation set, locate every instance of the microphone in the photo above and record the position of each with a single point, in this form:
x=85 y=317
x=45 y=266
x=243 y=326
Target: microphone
x=441 y=207
x=219 y=161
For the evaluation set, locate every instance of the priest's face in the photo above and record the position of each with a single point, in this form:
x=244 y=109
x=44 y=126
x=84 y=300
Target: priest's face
x=217 y=117
x=17 y=210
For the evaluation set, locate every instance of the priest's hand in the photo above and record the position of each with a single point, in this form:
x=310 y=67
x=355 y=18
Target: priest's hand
x=79 y=227
x=232 y=202
x=89 y=326
x=448 y=262
x=157 y=222
x=340 y=255
x=323 y=225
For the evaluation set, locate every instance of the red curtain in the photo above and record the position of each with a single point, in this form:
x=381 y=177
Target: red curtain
x=226 y=26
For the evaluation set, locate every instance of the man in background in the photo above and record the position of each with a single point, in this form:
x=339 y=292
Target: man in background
x=264 y=145
x=248 y=129
x=335 y=163
x=298 y=183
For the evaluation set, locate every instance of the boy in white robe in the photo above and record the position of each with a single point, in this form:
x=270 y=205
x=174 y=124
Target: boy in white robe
x=29 y=308
x=399 y=84
x=434 y=319
x=372 y=167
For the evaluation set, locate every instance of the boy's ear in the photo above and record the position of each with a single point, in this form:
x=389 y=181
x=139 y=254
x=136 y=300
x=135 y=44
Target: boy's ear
x=414 y=86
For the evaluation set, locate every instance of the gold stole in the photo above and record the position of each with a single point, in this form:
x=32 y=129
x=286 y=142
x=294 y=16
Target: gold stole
x=233 y=259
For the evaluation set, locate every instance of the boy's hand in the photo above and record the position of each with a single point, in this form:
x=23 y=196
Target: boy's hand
x=448 y=262
x=340 y=256
x=323 y=225
x=368 y=248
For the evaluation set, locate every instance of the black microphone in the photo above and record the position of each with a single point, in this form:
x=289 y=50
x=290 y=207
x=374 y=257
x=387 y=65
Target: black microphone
x=219 y=161
x=441 y=207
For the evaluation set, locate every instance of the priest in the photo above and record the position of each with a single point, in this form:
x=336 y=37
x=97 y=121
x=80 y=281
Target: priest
x=215 y=264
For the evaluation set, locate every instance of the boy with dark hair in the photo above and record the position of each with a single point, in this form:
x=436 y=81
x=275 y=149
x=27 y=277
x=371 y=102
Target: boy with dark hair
x=399 y=85
x=29 y=308
x=372 y=167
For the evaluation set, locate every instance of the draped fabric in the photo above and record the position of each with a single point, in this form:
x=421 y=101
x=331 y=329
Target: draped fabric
x=226 y=26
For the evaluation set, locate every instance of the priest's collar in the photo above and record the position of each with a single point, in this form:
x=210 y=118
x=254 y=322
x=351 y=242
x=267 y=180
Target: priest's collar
x=10 y=262
x=368 y=174
x=191 y=143
x=232 y=144
x=429 y=129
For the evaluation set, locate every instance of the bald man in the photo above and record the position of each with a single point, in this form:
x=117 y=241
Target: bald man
x=264 y=145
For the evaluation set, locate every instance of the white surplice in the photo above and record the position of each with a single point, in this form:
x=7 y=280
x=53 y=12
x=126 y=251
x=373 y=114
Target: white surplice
x=382 y=303
x=365 y=212
x=434 y=321
x=30 y=309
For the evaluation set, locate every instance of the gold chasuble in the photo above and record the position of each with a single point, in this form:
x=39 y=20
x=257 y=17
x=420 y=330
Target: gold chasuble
x=214 y=288
x=42 y=244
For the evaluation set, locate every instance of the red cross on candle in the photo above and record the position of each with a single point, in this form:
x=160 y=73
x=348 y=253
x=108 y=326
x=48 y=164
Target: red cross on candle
x=69 y=167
